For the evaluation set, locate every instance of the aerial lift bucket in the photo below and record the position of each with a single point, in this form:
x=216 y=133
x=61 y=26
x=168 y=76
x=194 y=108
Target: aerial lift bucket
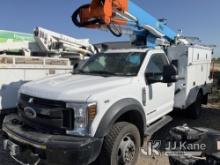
x=100 y=13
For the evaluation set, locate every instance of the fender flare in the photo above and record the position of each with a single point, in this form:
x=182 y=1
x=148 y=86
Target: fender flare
x=115 y=112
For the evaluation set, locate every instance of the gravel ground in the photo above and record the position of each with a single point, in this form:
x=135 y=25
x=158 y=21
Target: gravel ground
x=210 y=118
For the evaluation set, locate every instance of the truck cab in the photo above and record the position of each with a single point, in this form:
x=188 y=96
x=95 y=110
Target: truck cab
x=99 y=112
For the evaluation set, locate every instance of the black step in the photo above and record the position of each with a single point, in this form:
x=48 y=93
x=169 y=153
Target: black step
x=150 y=130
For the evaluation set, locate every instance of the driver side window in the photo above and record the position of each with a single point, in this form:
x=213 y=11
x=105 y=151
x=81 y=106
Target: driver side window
x=156 y=64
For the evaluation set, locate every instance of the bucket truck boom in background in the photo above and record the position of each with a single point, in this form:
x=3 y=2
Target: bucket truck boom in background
x=25 y=57
x=45 y=42
x=102 y=111
x=52 y=43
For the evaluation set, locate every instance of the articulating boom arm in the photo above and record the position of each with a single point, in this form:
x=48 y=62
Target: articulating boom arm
x=52 y=42
x=119 y=16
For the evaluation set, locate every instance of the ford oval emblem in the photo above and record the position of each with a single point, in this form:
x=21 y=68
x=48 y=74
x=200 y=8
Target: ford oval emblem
x=30 y=112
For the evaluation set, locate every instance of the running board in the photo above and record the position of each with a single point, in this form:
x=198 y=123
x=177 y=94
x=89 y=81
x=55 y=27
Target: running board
x=150 y=130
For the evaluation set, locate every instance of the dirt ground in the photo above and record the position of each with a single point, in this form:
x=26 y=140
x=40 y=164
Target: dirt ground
x=217 y=66
x=210 y=118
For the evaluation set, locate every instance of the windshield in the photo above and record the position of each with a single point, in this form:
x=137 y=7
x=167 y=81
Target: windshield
x=115 y=64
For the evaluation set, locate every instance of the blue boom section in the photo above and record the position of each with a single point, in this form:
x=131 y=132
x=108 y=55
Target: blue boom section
x=144 y=18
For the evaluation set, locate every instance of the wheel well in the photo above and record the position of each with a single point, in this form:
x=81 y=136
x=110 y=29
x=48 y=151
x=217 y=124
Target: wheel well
x=135 y=118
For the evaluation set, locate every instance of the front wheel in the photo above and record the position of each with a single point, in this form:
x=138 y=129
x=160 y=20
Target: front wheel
x=121 y=145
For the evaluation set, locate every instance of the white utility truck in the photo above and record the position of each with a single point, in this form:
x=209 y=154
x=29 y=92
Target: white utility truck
x=102 y=111
x=111 y=101
x=17 y=70
x=45 y=53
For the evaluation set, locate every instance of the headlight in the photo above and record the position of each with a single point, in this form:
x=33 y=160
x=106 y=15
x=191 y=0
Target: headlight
x=84 y=113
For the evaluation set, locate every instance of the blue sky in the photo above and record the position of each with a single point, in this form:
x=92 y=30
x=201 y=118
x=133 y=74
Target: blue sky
x=196 y=17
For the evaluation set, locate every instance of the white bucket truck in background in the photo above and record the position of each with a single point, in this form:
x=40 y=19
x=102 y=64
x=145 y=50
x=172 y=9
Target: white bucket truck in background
x=49 y=53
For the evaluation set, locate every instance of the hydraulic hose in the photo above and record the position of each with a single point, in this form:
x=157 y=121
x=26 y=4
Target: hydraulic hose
x=116 y=31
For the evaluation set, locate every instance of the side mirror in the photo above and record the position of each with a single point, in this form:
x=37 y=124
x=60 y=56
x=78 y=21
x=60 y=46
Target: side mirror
x=169 y=74
x=153 y=77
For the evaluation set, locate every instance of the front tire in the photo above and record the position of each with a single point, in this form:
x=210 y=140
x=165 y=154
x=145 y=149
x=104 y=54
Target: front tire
x=121 y=145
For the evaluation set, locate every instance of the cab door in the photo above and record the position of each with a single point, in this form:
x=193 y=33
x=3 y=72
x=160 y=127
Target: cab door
x=159 y=96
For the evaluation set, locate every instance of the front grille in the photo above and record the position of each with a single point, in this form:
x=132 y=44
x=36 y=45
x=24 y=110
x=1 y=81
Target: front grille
x=42 y=102
x=51 y=116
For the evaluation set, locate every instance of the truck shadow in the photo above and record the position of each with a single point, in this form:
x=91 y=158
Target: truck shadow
x=210 y=119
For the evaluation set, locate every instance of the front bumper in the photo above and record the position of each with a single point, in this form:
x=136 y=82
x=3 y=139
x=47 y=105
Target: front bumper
x=55 y=149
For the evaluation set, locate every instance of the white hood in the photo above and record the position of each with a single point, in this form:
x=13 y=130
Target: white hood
x=70 y=87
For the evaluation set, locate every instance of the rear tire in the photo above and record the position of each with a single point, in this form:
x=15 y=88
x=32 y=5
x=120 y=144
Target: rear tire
x=121 y=145
x=195 y=109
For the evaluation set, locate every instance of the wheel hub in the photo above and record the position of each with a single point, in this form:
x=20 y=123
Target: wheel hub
x=126 y=151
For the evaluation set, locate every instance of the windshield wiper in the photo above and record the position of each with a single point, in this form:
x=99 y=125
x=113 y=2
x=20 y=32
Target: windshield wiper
x=125 y=74
x=130 y=74
x=105 y=73
x=113 y=74
x=102 y=72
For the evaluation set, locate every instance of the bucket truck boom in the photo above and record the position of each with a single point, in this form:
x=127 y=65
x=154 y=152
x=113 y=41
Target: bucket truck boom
x=117 y=15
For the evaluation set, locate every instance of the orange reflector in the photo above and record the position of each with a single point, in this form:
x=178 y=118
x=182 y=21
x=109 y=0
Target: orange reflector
x=92 y=111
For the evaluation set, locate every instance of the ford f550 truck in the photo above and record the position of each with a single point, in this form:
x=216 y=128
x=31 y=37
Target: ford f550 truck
x=102 y=110
x=106 y=106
